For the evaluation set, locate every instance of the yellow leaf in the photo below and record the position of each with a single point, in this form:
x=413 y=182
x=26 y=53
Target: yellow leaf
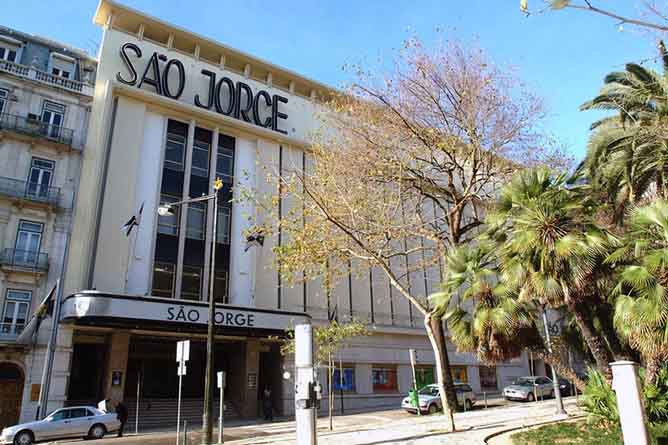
x=524 y=5
x=559 y=4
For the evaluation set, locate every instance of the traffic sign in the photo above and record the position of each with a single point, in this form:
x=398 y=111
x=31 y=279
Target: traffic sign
x=221 y=379
x=183 y=351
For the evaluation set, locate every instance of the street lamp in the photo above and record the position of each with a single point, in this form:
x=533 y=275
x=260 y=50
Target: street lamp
x=167 y=209
x=555 y=382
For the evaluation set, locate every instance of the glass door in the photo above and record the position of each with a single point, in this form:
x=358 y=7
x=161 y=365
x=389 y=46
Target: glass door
x=53 y=116
x=28 y=240
x=39 y=180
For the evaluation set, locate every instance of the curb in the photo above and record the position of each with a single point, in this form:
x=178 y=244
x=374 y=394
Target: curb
x=547 y=422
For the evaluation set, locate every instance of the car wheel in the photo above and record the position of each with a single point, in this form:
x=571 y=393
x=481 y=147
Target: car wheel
x=24 y=438
x=97 y=431
x=433 y=409
x=530 y=397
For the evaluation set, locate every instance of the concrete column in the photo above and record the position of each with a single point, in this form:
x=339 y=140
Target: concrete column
x=473 y=373
x=250 y=406
x=363 y=381
x=629 y=402
x=117 y=362
x=404 y=378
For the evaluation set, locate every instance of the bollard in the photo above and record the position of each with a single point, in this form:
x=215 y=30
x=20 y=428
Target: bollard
x=484 y=394
x=629 y=402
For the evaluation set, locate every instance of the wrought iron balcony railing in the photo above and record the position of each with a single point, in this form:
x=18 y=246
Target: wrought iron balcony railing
x=37 y=128
x=25 y=259
x=31 y=191
x=10 y=331
x=31 y=73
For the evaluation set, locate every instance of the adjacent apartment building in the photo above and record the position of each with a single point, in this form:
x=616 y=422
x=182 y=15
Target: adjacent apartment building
x=172 y=111
x=46 y=94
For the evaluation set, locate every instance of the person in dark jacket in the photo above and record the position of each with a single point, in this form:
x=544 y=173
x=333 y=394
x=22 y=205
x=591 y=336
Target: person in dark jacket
x=122 y=414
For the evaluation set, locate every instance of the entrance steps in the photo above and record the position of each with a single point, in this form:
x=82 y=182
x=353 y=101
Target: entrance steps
x=155 y=414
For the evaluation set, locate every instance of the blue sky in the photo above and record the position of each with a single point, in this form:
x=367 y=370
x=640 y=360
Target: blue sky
x=562 y=55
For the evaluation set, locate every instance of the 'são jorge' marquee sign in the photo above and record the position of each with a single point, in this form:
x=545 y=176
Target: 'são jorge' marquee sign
x=235 y=99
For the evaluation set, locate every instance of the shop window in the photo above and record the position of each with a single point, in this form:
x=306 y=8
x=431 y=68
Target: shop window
x=221 y=287
x=196 y=220
x=223 y=223
x=191 y=282
x=424 y=376
x=225 y=164
x=488 y=377
x=169 y=224
x=200 y=162
x=384 y=378
x=8 y=54
x=3 y=99
x=459 y=374
x=163 y=279
x=344 y=381
x=175 y=151
x=15 y=313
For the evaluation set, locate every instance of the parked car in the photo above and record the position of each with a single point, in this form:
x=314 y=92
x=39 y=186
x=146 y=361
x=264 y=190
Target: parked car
x=529 y=388
x=429 y=399
x=567 y=388
x=77 y=421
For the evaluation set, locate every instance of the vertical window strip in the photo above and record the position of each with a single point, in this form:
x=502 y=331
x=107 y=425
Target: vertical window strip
x=280 y=215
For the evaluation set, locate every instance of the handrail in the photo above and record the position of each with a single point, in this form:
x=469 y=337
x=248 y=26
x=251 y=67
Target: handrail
x=35 y=127
x=32 y=191
x=25 y=259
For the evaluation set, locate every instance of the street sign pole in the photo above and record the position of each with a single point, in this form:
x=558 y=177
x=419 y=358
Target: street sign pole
x=411 y=353
x=182 y=356
x=221 y=413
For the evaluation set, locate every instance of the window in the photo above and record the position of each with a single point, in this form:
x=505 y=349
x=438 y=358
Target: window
x=223 y=223
x=163 y=279
x=175 y=150
x=15 y=314
x=459 y=374
x=61 y=415
x=53 y=116
x=8 y=54
x=196 y=220
x=39 y=181
x=28 y=240
x=344 y=381
x=60 y=73
x=384 y=378
x=225 y=164
x=78 y=412
x=220 y=287
x=200 y=162
x=3 y=99
x=191 y=283
x=488 y=377
x=463 y=388
x=424 y=376
x=169 y=224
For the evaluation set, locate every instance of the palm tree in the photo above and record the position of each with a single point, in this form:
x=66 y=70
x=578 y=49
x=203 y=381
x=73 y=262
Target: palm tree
x=551 y=252
x=627 y=155
x=641 y=311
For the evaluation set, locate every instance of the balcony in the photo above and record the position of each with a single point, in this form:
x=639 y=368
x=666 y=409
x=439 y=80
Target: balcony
x=24 y=260
x=30 y=73
x=35 y=128
x=10 y=331
x=30 y=191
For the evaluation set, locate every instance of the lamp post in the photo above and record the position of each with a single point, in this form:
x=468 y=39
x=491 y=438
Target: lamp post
x=560 y=411
x=207 y=421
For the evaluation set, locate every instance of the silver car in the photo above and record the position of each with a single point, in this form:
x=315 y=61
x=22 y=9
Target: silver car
x=429 y=399
x=75 y=421
x=529 y=389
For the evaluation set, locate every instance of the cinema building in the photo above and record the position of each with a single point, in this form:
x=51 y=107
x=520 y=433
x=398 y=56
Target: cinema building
x=172 y=111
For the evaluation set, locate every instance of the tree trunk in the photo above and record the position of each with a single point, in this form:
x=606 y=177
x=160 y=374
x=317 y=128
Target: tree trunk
x=652 y=366
x=329 y=391
x=594 y=341
x=434 y=329
x=561 y=368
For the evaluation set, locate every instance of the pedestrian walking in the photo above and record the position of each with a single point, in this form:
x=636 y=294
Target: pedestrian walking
x=122 y=414
x=266 y=404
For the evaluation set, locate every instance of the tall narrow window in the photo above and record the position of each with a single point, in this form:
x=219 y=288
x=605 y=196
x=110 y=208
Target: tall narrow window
x=15 y=313
x=191 y=283
x=53 y=116
x=221 y=287
x=28 y=240
x=3 y=99
x=196 y=220
x=223 y=223
x=225 y=164
x=169 y=224
x=163 y=279
x=39 y=181
x=200 y=163
x=175 y=152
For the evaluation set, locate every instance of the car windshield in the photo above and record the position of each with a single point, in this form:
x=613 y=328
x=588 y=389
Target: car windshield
x=428 y=391
x=524 y=381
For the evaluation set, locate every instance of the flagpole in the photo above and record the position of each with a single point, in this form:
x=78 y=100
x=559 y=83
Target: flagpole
x=45 y=382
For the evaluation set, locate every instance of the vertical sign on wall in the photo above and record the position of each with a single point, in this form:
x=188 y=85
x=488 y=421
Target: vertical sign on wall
x=182 y=356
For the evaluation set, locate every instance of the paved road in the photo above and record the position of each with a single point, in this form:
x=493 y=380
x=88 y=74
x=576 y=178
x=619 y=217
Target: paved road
x=376 y=428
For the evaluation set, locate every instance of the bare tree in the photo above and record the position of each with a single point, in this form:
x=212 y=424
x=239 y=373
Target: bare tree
x=401 y=171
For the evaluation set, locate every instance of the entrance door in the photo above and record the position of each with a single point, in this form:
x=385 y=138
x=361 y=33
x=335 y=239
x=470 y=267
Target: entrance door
x=39 y=181
x=28 y=240
x=53 y=116
x=11 y=389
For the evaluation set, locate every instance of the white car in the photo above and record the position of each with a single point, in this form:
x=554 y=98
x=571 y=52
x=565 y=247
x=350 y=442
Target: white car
x=430 y=399
x=529 y=389
x=75 y=421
